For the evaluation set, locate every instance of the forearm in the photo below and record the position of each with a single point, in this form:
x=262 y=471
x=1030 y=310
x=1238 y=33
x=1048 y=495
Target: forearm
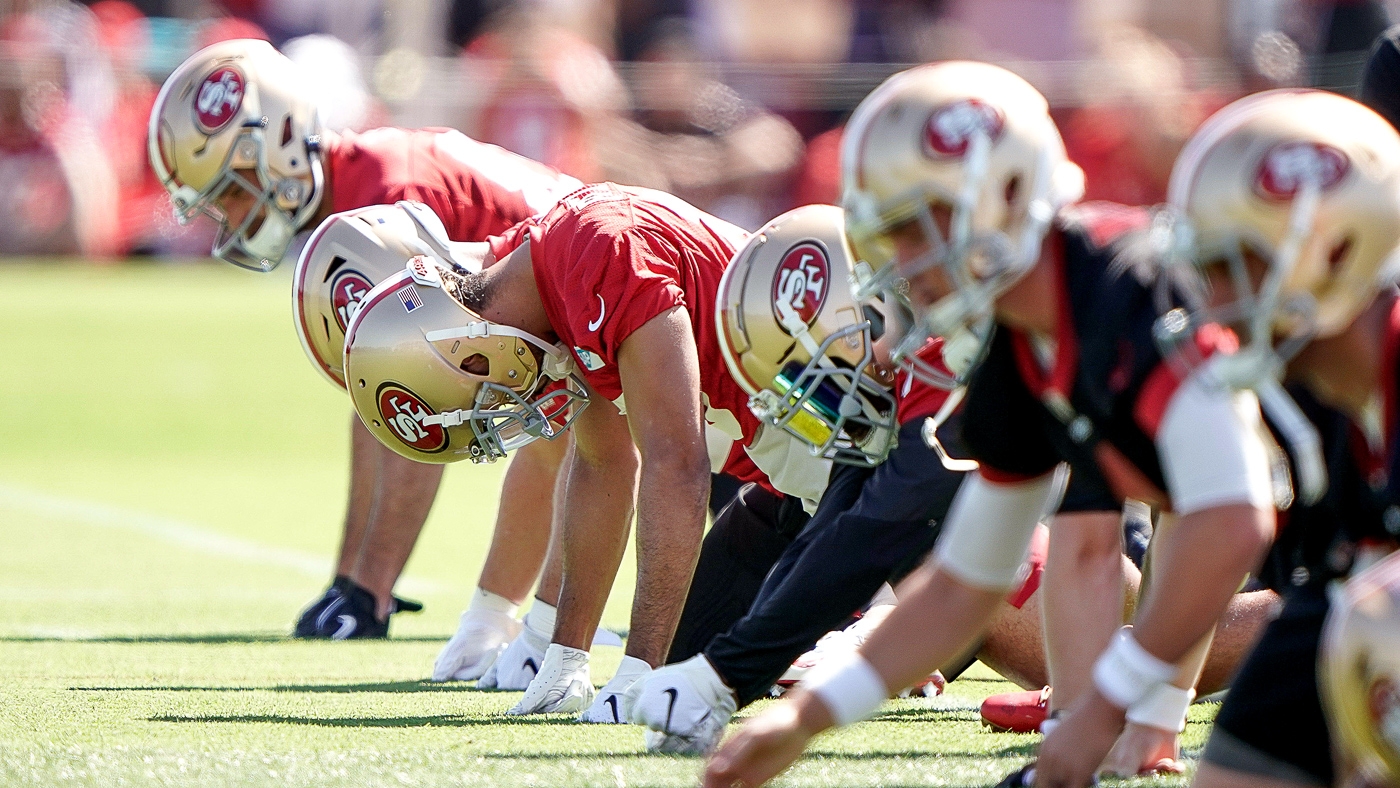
x=594 y=536
x=524 y=520
x=671 y=506
x=1195 y=573
x=1082 y=593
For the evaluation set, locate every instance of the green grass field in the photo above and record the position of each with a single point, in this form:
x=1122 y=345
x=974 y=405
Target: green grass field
x=172 y=476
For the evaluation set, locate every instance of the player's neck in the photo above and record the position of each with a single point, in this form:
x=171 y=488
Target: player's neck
x=515 y=298
x=1345 y=370
x=1031 y=304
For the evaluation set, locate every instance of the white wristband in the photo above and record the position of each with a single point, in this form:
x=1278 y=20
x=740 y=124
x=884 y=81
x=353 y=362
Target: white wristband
x=1125 y=673
x=495 y=603
x=540 y=619
x=849 y=686
x=1164 y=708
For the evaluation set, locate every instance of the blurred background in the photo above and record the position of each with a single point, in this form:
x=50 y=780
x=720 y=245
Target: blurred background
x=734 y=105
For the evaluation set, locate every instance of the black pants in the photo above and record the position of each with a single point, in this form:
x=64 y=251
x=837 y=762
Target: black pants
x=874 y=524
x=1272 y=724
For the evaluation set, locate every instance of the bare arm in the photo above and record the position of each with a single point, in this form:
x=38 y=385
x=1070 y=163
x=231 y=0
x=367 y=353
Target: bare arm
x=597 y=515
x=660 y=372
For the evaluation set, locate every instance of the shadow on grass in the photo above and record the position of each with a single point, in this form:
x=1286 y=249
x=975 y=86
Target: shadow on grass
x=432 y=721
x=421 y=685
x=214 y=638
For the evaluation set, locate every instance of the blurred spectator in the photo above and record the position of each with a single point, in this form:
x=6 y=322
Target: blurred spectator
x=333 y=72
x=56 y=92
x=695 y=137
x=819 y=177
x=545 y=92
x=226 y=28
x=125 y=37
x=1134 y=114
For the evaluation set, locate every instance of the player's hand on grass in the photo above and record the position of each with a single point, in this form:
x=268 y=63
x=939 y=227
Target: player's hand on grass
x=564 y=684
x=767 y=744
x=481 y=636
x=1142 y=749
x=1071 y=753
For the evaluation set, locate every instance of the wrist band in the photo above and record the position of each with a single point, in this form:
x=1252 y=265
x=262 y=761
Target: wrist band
x=1125 y=673
x=495 y=603
x=1163 y=708
x=540 y=619
x=849 y=686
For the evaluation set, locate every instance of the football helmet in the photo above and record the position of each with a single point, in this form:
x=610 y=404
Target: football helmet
x=977 y=140
x=238 y=116
x=1305 y=183
x=438 y=383
x=798 y=342
x=1359 y=671
x=339 y=265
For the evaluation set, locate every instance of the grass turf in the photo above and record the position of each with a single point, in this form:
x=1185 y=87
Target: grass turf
x=172 y=474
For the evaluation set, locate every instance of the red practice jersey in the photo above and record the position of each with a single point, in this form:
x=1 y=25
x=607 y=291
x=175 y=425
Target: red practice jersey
x=607 y=259
x=478 y=190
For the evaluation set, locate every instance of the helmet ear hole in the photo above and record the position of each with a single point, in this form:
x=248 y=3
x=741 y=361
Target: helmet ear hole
x=877 y=321
x=476 y=364
x=1012 y=192
x=286 y=131
x=1339 y=252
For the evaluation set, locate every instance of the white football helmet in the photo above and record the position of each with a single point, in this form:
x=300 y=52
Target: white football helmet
x=438 y=383
x=1359 y=671
x=800 y=345
x=978 y=140
x=238 y=115
x=1306 y=183
x=338 y=267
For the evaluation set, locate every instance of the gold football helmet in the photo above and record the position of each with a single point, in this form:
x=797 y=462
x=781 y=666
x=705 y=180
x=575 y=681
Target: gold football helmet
x=975 y=139
x=1359 y=672
x=238 y=115
x=438 y=383
x=339 y=265
x=800 y=344
x=1294 y=196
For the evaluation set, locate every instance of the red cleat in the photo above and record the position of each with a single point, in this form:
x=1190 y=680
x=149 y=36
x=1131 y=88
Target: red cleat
x=1016 y=712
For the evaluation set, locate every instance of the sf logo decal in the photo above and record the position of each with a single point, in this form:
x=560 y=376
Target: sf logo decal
x=403 y=413
x=801 y=283
x=347 y=291
x=218 y=100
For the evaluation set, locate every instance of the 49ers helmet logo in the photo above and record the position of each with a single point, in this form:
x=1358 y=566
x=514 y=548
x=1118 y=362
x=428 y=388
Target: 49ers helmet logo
x=218 y=99
x=950 y=129
x=348 y=289
x=403 y=413
x=801 y=282
x=1288 y=165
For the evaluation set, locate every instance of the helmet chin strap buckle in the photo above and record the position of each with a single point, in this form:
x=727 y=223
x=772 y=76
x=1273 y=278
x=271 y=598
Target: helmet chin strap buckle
x=451 y=418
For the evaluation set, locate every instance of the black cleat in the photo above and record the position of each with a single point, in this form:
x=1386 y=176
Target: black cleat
x=1023 y=777
x=306 y=622
x=350 y=615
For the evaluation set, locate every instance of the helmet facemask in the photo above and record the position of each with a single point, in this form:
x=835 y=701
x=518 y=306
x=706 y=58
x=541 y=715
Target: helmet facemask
x=280 y=206
x=841 y=412
x=977 y=265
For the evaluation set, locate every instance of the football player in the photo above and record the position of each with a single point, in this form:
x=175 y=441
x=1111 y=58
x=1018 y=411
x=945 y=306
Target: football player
x=803 y=348
x=614 y=288
x=957 y=185
x=235 y=135
x=1287 y=206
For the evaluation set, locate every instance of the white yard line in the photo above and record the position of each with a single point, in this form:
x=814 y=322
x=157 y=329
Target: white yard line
x=184 y=534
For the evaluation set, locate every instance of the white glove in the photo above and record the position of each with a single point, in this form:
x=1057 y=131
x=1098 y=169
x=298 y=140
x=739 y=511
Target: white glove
x=521 y=661
x=563 y=683
x=607 y=707
x=685 y=706
x=481 y=636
